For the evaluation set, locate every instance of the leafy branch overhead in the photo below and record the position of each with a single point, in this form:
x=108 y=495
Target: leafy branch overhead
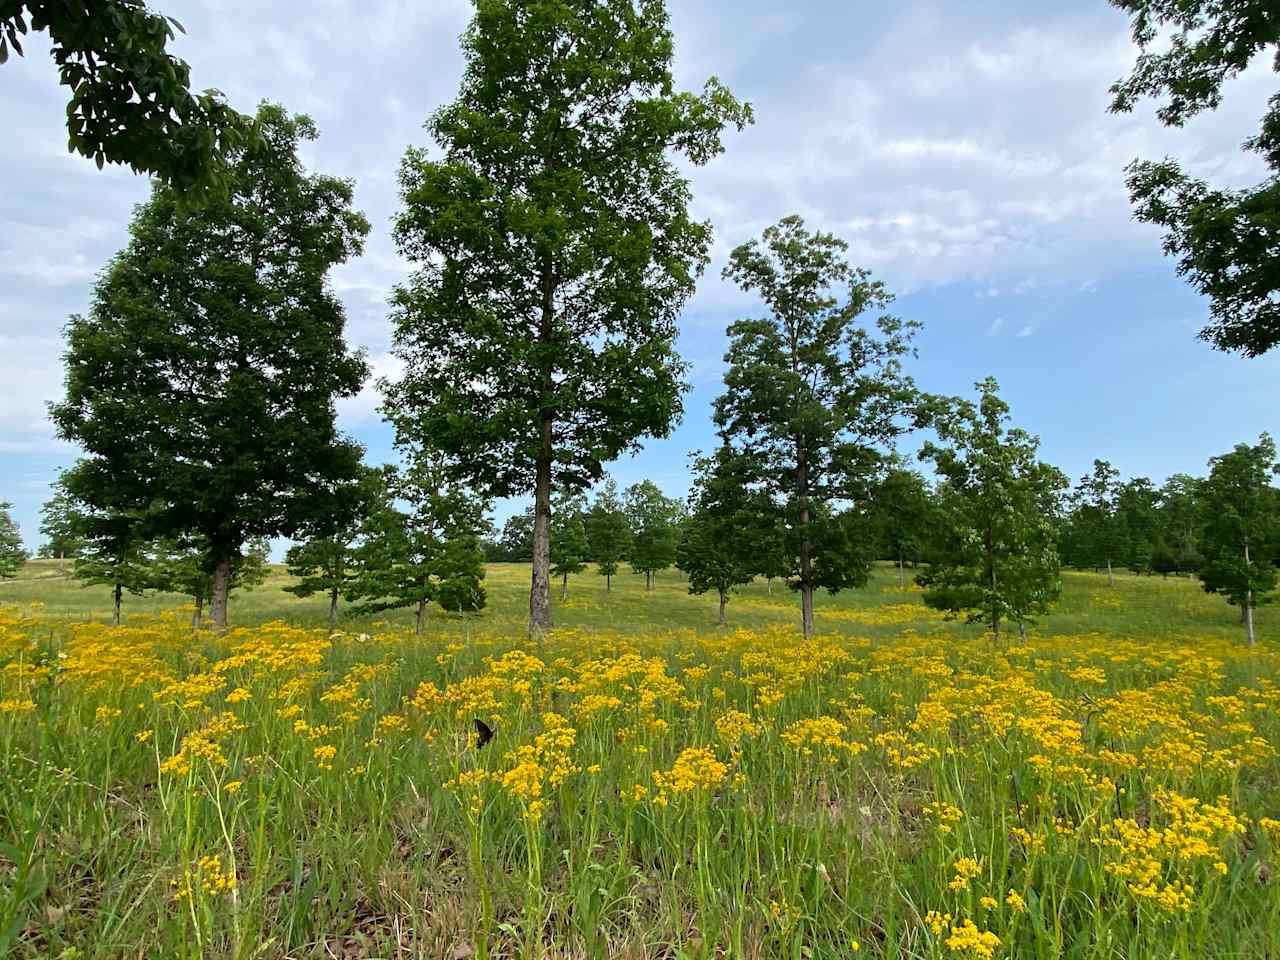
x=131 y=101
x=1225 y=241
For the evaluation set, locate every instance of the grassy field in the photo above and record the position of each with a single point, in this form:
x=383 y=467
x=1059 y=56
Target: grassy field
x=1134 y=607
x=654 y=786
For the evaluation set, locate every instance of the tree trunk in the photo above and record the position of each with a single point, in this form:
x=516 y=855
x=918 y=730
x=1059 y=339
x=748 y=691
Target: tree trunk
x=1022 y=631
x=648 y=580
x=768 y=585
x=115 y=613
x=417 y=623
x=1110 y=579
x=221 y=587
x=1248 y=600
x=608 y=583
x=902 y=573
x=806 y=561
x=564 y=588
x=991 y=566
x=333 y=608
x=540 y=587
x=724 y=597
x=197 y=614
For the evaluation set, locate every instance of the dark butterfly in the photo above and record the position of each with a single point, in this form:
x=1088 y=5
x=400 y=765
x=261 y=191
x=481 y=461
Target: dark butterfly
x=484 y=733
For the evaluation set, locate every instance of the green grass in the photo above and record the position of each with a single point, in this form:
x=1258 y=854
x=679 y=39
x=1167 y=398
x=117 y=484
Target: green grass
x=732 y=793
x=1134 y=607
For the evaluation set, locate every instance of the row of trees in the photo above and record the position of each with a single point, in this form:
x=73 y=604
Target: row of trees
x=1225 y=527
x=392 y=540
x=641 y=526
x=552 y=250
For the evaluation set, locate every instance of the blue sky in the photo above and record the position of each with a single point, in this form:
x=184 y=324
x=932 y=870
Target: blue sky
x=963 y=150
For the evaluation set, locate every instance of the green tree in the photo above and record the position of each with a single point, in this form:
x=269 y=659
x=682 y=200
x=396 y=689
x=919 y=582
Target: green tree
x=204 y=377
x=322 y=563
x=185 y=567
x=812 y=397
x=902 y=513
x=1179 y=522
x=131 y=100
x=517 y=537
x=402 y=552
x=58 y=519
x=608 y=532
x=1240 y=527
x=1224 y=240
x=569 y=545
x=12 y=554
x=554 y=250
x=716 y=549
x=653 y=518
x=998 y=504
x=1137 y=515
x=110 y=545
x=459 y=573
x=1094 y=514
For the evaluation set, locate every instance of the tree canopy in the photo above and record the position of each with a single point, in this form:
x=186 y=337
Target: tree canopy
x=1240 y=527
x=131 y=101
x=12 y=554
x=1225 y=241
x=202 y=381
x=554 y=250
x=813 y=395
x=997 y=559
x=718 y=540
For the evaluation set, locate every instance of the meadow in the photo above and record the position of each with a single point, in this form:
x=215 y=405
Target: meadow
x=654 y=786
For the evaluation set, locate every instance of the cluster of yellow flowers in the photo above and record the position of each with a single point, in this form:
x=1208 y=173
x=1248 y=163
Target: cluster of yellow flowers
x=696 y=770
x=1144 y=762
x=206 y=875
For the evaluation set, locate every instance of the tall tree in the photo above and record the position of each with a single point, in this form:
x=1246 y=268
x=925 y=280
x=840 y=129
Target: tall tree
x=717 y=544
x=1137 y=506
x=1224 y=240
x=569 y=545
x=131 y=100
x=997 y=558
x=1240 y=527
x=1179 y=521
x=58 y=523
x=12 y=554
x=653 y=518
x=902 y=510
x=608 y=532
x=202 y=382
x=554 y=250
x=813 y=396
x=1094 y=499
